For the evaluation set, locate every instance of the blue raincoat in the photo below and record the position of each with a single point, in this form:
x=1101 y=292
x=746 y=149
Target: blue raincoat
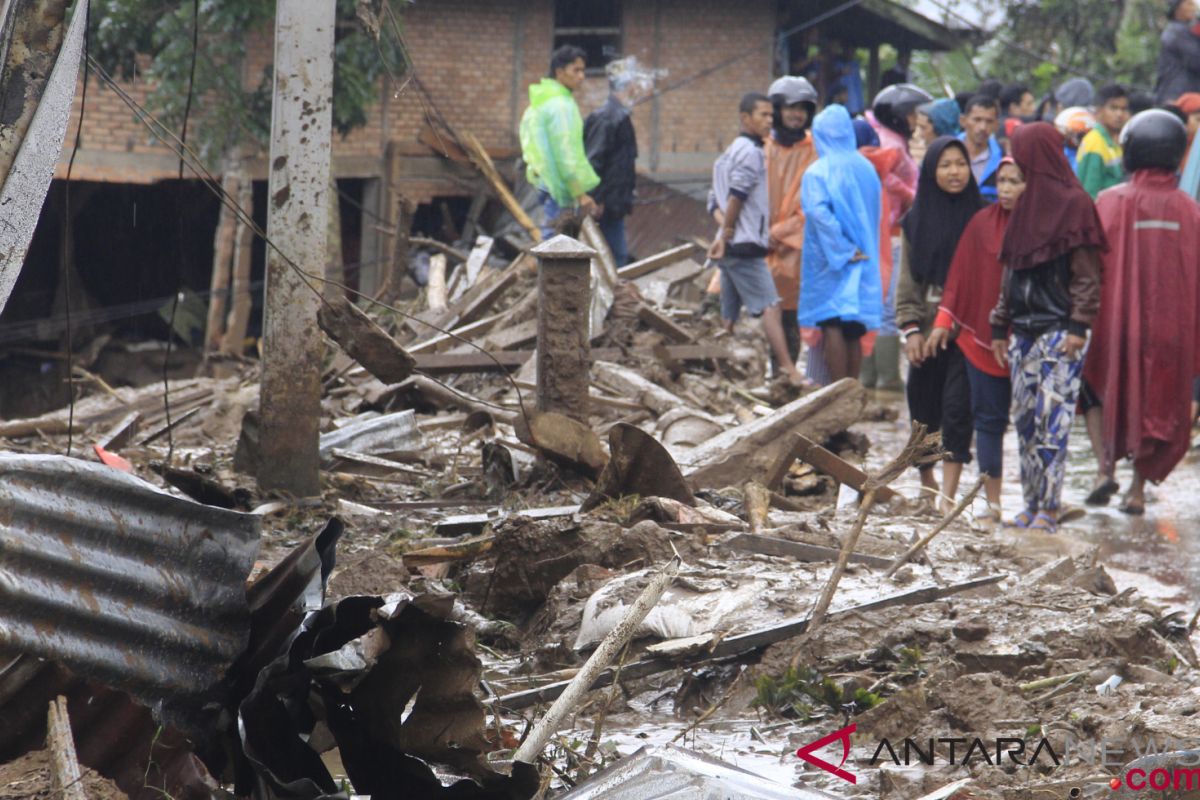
x=1191 y=174
x=840 y=196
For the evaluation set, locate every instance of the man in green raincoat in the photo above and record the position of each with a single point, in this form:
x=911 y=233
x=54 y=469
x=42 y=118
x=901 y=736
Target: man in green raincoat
x=552 y=140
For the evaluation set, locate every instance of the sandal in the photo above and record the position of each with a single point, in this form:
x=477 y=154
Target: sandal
x=1023 y=519
x=1070 y=514
x=1132 y=509
x=1043 y=522
x=1103 y=493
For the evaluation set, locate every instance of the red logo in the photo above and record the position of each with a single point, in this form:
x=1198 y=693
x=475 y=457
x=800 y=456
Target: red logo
x=843 y=736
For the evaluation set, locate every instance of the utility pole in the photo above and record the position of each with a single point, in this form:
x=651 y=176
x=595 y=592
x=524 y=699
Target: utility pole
x=297 y=214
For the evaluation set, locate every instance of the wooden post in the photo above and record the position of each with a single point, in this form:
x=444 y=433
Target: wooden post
x=240 y=301
x=872 y=75
x=225 y=237
x=564 y=305
x=65 y=775
x=297 y=214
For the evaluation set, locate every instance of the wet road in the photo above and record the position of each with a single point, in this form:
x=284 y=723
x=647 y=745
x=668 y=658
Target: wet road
x=1158 y=553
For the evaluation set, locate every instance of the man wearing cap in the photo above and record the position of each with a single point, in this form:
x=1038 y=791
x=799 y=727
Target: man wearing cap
x=1179 y=58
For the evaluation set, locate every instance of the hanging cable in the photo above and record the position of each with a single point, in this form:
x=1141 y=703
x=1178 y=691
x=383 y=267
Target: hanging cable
x=66 y=244
x=179 y=189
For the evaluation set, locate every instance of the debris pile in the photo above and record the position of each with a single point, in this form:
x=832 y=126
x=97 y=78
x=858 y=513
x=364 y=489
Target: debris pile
x=628 y=521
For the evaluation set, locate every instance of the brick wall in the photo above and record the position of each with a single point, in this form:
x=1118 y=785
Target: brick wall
x=477 y=58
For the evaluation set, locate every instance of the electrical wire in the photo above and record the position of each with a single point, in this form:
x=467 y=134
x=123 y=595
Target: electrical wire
x=169 y=139
x=187 y=112
x=66 y=243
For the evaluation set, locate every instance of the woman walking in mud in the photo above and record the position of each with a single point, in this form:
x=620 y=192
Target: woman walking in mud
x=972 y=289
x=938 y=393
x=1049 y=299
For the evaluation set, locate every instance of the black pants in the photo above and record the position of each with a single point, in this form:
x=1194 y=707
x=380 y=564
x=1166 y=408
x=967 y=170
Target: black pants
x=939 y=397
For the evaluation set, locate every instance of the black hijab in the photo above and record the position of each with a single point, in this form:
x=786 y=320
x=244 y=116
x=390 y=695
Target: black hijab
x=937 y=218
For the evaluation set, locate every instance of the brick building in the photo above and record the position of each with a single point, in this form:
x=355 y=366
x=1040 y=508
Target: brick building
x=476 y=59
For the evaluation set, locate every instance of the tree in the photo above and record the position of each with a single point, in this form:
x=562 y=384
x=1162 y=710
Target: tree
x=1043 y=43
x=231 y=106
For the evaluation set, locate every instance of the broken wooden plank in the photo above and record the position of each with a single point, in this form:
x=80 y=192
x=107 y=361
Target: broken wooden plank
x=369 y=466
x=475 y=523
x=169 y=426
x=753 y=451
x=66 y=778
x=563 y=439
x=364 y=341
x=664 y=259
x=477 y=260
x=468 y=331
x=663 y=324
x=122 y=433
x=801 y=551
x=483 y=162
x=459 y=551
x=435 y=287
x=502 y=360
x=837 y=468
x=741 y=644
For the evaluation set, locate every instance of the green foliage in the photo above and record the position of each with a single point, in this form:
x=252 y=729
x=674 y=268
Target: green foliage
x=1106 y=40
x=796 y=691
x=230 y=105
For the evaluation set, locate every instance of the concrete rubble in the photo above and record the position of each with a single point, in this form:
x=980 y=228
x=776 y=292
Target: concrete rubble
x=400 y=635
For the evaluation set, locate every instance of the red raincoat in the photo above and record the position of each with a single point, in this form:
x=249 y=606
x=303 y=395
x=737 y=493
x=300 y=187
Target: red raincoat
x=1145 y=346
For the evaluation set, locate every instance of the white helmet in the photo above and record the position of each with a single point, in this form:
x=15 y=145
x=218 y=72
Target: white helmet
x=789 y=90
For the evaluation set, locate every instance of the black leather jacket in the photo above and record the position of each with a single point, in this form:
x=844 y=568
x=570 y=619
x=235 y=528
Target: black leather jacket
x=611 y=148
x=1061 y=294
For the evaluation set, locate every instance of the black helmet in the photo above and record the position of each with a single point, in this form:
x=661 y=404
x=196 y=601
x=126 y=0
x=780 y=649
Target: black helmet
x=789 y=90
x=894 y=103
x=1154 y=139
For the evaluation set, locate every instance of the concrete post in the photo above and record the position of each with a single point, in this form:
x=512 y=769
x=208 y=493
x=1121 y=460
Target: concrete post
x=297 y=214
x=563 y=350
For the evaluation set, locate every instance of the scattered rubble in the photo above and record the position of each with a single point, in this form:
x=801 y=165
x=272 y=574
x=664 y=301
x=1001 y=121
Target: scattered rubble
x=472 y=548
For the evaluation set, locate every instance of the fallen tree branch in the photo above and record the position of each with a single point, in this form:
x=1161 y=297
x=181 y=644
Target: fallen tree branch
x=916 y=451
x=608 y=649
x=903 y=558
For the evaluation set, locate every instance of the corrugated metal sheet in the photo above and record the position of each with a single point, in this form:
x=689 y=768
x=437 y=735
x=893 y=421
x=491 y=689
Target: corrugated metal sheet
x=120 y=582
x=665 y=215
x=666 y=771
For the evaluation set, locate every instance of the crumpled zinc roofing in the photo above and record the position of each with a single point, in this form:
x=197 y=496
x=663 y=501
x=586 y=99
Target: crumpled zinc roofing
x=119 y=581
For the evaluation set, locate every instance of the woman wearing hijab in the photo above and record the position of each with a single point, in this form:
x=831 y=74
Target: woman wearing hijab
x=938 y=393
x=972 y=288
x=1049 y=298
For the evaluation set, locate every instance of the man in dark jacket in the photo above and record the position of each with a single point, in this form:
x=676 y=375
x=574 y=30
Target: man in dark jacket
x=612 y=150
x=1179 y=58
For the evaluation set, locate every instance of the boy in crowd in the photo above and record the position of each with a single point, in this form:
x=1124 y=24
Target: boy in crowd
x=1098 y=161
x=740 y=247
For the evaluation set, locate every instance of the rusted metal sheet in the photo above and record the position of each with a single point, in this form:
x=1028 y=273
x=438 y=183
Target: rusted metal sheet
x=122 y=583
x=33 y=117
x=666 y=214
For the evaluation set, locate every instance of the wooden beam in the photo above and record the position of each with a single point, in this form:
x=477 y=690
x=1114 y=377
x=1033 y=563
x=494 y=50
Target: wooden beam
x=837 y=468
x=497 y=360
x=801 y=551
x=664 y=325
x=664 y=259
x=743 y=643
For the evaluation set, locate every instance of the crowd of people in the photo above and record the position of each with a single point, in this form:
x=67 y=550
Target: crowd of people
x=1027 y=259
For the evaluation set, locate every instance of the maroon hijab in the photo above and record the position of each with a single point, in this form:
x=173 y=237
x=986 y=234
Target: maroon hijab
x=1054 y=215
